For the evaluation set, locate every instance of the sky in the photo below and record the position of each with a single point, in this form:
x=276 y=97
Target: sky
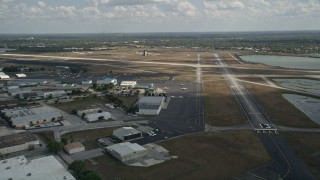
x=125 y=16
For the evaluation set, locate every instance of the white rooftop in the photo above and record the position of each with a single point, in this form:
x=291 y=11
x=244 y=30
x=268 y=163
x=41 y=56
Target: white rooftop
x=21 y=75
x=126 y=148
x=128 y=83
x=48 y=168
x=97 y=115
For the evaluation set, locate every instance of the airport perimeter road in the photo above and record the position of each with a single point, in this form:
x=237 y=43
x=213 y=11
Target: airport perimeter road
x=288 y=164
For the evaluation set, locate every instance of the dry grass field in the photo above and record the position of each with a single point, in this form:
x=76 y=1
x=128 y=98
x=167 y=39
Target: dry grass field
x=203 y=156
x=79 y=104
x=221 y=107
x=279 y=109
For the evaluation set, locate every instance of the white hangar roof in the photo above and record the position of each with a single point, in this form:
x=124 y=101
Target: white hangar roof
x=126 y=148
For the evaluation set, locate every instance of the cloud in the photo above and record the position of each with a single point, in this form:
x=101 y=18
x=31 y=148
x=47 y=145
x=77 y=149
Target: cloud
x=186 y=8
x=261 y=8
x=64 y=11
x=173 y=12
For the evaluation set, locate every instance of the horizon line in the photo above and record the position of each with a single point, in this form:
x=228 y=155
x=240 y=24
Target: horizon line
x=155 y=32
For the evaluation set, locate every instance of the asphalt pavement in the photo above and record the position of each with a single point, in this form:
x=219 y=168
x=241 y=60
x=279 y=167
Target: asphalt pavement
x=288 y=164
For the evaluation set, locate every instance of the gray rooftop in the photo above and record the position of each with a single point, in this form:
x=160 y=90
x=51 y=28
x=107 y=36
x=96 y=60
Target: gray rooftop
x=125 y=131
x=47 y=168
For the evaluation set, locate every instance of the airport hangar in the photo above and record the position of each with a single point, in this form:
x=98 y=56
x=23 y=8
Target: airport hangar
x=126 y=133
x=151 y=105
x=127 y=151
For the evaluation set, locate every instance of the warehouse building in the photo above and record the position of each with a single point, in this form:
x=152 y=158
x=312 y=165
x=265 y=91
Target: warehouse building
x=21 y=117
x=14 y=90
x=88 y=111
x=127 y=151
x=54 y=94
x=48 y=168
x=97 y=116
x=17 y=142
x=107 y=81
x=4 y=76
x=86 y=82
x=128 y=83
x=126 y=133
x=21 y=75
x=150 y=105
x=74 y=147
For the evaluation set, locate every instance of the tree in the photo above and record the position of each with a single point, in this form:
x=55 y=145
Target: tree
x=89 y=175
x=94 y=85
x=64 y=141
x=54 y=146
x=74 y=111
x=77 y=167
x=50 y=96
x=100 y=111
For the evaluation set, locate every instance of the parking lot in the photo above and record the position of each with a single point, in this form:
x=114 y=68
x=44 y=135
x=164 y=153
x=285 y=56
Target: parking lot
x=183 y=115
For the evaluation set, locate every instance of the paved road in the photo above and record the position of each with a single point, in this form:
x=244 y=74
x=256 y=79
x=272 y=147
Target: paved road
x=288 y=164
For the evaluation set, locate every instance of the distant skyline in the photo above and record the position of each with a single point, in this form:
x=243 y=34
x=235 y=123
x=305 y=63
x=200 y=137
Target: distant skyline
x=130 y=16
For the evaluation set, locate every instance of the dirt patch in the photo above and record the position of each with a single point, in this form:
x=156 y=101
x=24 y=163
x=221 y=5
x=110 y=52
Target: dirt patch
x=205 y=156
x=128 y=101
x=80 y=104
x=221 y=107
x=278 y=109
x=88 y=137
x=307 y=146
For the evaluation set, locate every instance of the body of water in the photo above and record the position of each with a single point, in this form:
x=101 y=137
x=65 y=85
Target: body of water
x=285 y=61
x=304 y=85
x=310 y=106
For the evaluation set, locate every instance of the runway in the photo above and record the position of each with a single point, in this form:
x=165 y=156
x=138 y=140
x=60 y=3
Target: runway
x=288 y=164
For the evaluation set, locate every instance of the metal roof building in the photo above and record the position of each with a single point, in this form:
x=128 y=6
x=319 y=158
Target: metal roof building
x=128 y=83
x=21 y=75
x=95 y=116
x=47 y=168
x=150 y=105
x=74 y=147
x=126 y=133
x=3 y=76
x=21 y=117
x=88 y=111
x=17 y=142
x=127 y=151
x=107 y=81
